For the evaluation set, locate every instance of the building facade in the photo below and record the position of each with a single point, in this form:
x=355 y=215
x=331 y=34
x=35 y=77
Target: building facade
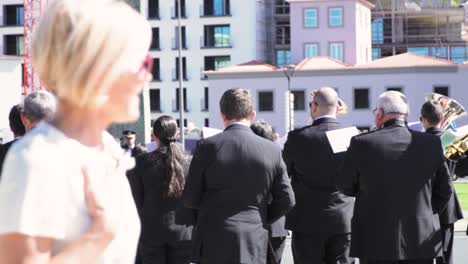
x=215 y=34
x=338 y=29
x=358 y=86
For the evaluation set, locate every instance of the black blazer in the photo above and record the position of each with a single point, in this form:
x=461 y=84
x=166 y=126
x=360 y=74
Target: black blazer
x=3 y=152
x=400 y=180
x=312 y=166
x=453 y=212
x=232 y=178
x=163 y=219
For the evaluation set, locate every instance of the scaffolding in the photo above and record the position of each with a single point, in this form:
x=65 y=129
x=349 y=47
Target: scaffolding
x=32 y=13
x=432 y=25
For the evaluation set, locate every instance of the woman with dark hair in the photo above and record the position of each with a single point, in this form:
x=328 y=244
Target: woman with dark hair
x=157 y=183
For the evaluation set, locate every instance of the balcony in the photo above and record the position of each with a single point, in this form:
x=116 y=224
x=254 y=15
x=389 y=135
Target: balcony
x=213 y=45
x=204 y=13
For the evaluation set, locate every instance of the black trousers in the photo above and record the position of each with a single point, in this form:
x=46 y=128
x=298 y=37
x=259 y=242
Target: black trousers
x=319 y=249
x=416 y=261
x=168 y=253
x=447 y=242
x=276 y=249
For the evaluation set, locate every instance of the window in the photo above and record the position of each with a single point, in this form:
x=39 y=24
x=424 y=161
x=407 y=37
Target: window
x=335 y=17
x=155 y=100
x=376 y=53
x=336 y=51
x=443 y=90
x=311 y=50
x=207 y=122
x=13 y=45
x=205 y=102
x=299 y=100
x=156 y=71
x=458 y=54
x=13 y=15
x=177 y=100
x=398 y=89
x=283 y=57
x=184 y=69
x=282 y=7
x=178 y=122
x=216 y=8
x=361 y=98
x=217 y=36
x=265 y=101
x=419 y=50
x=377 y=31
x=175 y=42
x=311 y=17
x=216 y=62
x=283 y=32
x=153 y=9
x=176 y=9
x=439 y=52
x=155 y=39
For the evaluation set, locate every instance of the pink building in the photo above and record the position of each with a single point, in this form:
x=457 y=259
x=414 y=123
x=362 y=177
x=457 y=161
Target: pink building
x=340 y=29
x=358 y=86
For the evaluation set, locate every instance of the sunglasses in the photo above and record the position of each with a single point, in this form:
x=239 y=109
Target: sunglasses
x=146 y=65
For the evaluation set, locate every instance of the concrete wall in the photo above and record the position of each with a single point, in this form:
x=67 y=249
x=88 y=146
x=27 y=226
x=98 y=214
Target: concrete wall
x=415 y=83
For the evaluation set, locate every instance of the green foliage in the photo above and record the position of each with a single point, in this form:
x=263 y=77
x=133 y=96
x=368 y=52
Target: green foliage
x=462 y=193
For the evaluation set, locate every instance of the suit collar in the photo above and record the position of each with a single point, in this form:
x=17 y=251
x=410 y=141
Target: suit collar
x=324 y=120
x=434 y=130
x=395 y=122
x=236 y=126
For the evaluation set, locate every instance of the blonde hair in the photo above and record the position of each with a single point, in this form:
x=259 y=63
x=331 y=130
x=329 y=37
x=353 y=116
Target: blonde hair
x=81 y=47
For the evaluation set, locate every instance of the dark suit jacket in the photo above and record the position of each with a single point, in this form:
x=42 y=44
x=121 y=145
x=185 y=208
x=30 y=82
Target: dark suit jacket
x=400 y=180
x=313 y=167
x=163 y=219
x=232 y=179
x=3 y=151
x=453 y=212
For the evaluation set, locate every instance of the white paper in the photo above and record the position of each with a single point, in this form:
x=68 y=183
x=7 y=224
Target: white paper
x=209 y=132
x=339 y=139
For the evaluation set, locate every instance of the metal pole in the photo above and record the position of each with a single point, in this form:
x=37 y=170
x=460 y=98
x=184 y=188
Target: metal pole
x=289 y=103
x=180 y=72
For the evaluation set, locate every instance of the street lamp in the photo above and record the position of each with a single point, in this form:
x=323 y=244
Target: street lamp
x=288 y=71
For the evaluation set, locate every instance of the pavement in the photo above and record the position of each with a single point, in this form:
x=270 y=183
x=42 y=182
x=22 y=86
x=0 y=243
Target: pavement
x=460 y=250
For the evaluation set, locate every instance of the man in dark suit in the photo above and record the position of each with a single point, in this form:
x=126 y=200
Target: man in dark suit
x=321 y=219
x=238 y=183
x=400 y=180
x=17 y=127
x=431 y=119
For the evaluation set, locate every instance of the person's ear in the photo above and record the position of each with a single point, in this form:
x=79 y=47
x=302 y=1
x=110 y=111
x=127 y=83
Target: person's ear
x=252 y=116
x=223 y=116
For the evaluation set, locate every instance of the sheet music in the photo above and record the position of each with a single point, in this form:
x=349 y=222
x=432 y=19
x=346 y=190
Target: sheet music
x=209 y=132
x=339 y=139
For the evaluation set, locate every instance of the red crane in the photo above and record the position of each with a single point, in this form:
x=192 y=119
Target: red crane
x=32 y=13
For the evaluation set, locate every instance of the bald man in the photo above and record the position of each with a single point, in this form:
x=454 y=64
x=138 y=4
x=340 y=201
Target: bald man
x=321 y=219
x=400 y=180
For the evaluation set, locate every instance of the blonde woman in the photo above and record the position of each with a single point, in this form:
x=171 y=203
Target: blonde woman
x=64 y=197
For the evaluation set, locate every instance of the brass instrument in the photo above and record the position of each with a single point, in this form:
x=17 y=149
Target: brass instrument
x=457 y=149
x=452 y=109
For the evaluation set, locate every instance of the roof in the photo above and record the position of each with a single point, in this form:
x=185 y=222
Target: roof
x=406 y=60
x=364 y=2
x=251 y=66
x=320 y=63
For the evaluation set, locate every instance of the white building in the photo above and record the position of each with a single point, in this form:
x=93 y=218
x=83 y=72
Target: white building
x=215 y=34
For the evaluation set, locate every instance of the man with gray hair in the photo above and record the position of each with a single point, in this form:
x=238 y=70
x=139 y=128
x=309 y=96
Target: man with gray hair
x=321 y=219
x=37 y=106
x=400 y=180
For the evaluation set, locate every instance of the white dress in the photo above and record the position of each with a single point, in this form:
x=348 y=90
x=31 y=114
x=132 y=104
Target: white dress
x=41 y=191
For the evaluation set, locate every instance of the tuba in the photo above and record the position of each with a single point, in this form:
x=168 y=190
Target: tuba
x=452 y=109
